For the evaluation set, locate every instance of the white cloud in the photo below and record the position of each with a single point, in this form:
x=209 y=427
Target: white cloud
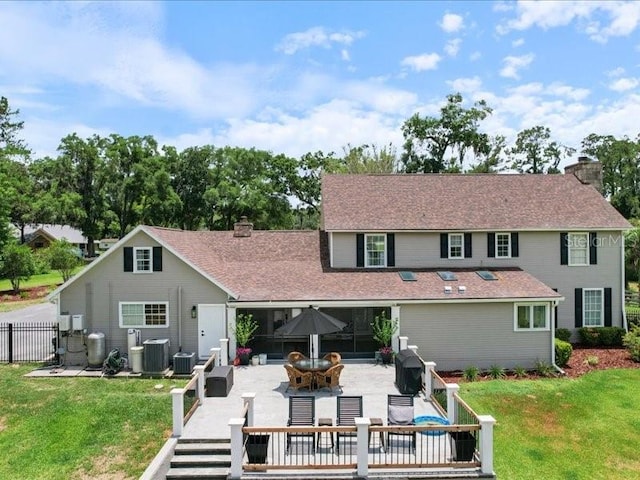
x=451 y=23
x=419 y=63
x=344 y=54
x=517 y=43
x=475 y=56
x=624 y=84
x=465 y=85
x=513 y=64
x=567 y=91
x=616 y=72
x=599 y=20
x=316 y=37
x=453 y=47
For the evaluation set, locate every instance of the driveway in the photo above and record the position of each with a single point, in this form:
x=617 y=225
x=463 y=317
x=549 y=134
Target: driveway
x=41 y=312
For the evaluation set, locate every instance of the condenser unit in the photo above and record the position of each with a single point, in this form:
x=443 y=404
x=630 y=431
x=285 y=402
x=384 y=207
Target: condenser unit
x=183 y=363
x=156 y=355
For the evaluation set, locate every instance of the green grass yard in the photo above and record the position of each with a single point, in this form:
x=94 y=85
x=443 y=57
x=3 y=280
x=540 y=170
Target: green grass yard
x=565 y=429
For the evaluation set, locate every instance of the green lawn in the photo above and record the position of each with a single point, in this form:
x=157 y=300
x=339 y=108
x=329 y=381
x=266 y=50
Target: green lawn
x=46 y=279
x=80 y=427
x=586 y=428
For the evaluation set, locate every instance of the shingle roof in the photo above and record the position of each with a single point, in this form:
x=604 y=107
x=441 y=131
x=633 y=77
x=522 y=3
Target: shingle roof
x=58 y=232
x=291 y=266
x=447 y=202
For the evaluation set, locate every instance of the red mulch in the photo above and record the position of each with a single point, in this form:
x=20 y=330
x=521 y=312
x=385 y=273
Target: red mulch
x=578 y=365
x=25 y=294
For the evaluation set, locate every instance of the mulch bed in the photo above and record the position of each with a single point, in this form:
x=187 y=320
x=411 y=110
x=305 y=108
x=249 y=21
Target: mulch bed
x=583 y=360
x=25 y=294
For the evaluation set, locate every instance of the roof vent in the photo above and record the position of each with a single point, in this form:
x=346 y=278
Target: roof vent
x=447 y=289
x=242 y=228
x=462 y=289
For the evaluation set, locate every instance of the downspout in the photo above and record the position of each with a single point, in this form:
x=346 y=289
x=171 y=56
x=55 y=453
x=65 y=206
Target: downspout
x=180 y=318
x=622 y=285
x=553 y=338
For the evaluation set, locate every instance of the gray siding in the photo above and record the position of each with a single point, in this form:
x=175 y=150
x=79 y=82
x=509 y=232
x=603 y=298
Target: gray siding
x=98 y=292
x=456 y=336
x=539 y=254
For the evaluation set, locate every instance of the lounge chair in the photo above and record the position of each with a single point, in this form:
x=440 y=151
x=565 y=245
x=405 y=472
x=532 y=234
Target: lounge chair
x=330 y=378
x=298 y=379
x=302 y=412
x=400 y=412
x=333 y=357
x=349 y=408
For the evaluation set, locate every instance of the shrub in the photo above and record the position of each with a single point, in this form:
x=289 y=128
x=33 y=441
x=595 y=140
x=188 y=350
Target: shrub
x=592 y=360
x=41 y=262
x=496 y=371
x=563 y=334
x=601 y=336
x=632 y=343
x=471 y=373
x=519 y=371
x=563 y=352
x=544 y=369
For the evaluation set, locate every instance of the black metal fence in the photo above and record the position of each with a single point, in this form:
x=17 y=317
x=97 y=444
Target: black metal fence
x=29 y=342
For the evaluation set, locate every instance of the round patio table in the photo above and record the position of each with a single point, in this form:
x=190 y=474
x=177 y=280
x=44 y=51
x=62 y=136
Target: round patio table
x=312 y=364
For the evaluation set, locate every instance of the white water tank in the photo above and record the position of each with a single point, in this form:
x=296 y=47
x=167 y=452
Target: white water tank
x=135 y=359
x=133 y=340
x=96 y=349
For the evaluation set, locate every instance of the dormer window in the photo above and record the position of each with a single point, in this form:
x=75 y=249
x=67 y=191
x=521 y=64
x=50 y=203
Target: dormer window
x=142 y=257
x=456 y=243
x=375 y=248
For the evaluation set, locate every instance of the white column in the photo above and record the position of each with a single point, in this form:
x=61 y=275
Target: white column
x=249 y=399
x=199 y=371
x=177 y=395
x=413 y=348
x=314 y=346
x=237 y=449
x=224 y=351
x=217 y=351
x=451 y=402
x=403 y=342
x=427 y=379
x=362 y=445
x=231 y=325
x=486 y=442
x=395 y=315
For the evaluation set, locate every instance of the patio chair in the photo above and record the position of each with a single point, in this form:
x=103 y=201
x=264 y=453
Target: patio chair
x=349 y=408
x=293 y=357
x=400 y=412
x=330 y=378
x=333 y=357
x=298 y=379
x=302 y=412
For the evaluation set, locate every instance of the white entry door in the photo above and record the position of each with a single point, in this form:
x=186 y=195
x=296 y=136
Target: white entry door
x=211 y=327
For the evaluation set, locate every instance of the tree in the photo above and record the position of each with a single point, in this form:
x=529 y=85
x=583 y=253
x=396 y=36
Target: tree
x=370 y=159
x=10 y=145
x=17 y=264
x=63 y=257
x=535 y=152
x=491 y=162
x=438 y=144
x=632 y=254
x=620 y=158
x=191 y=182
x=160 y=204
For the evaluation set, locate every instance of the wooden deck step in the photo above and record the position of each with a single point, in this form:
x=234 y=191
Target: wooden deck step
x=204 y=448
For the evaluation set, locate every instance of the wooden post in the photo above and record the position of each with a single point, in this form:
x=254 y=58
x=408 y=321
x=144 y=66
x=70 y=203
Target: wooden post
x=224 y=351
x=362 y=446
x=199 y=371
x=249 y=400
x=486 y=443
x=427 y=378
x=237 y=449
x=451 y=403
x=178 y=410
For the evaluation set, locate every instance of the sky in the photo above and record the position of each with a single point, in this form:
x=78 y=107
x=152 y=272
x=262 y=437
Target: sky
x=297 y=77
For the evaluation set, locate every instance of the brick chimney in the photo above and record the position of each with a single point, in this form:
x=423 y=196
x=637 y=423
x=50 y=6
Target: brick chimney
x=242 y=228
x=587 y=171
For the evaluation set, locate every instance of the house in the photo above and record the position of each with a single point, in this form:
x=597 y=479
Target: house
x=478 y=269
x=41 y=236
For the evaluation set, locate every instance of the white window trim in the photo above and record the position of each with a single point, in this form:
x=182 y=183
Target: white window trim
x=461 y=235
x=516 y=328
x=120 y=304
x=601 y=290
x=508 y=235
x=366 y=251
x=586 y=264
x=135 y=259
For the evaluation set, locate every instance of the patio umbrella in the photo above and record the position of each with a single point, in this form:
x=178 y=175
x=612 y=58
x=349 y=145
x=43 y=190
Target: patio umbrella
x=311 y=322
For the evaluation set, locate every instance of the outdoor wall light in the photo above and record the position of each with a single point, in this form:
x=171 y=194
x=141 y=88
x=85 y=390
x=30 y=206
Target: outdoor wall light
x=194 y=311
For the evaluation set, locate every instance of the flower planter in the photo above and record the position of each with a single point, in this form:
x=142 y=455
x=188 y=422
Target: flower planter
x=244 y=358
x=464 y=446
x=257 y=446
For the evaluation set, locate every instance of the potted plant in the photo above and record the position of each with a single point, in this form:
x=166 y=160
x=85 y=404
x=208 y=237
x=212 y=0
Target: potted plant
x=383 y=330
x=245 y=327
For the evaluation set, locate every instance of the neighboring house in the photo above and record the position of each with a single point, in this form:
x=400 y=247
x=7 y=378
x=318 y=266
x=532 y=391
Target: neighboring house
x=477 y=269
x=41 y=236
x=106 y=243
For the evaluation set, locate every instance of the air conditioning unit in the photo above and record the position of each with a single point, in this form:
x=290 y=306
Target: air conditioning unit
x=156 y=355
x=183 y=363
x=77 y=322
x=64 y=322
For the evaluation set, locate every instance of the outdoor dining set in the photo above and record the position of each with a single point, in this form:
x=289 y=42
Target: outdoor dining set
x=314 y=373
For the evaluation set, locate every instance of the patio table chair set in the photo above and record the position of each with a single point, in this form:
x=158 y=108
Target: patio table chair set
x=314 y=373
x=400 y=412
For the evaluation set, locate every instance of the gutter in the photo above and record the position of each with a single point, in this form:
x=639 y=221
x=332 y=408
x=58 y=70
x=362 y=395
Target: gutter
x=622 y=285
x=553 y=340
